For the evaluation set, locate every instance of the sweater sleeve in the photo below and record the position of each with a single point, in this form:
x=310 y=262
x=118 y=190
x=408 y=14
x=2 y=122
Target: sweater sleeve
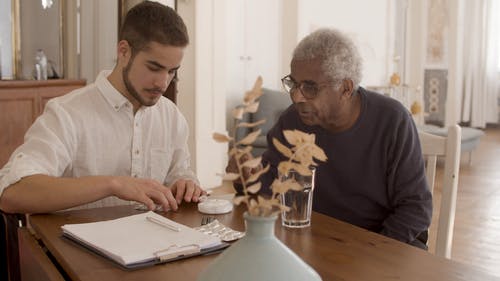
x=409 y=194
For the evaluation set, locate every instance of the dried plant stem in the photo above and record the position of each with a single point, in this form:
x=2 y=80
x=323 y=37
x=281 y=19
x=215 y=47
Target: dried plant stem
x=290 y=160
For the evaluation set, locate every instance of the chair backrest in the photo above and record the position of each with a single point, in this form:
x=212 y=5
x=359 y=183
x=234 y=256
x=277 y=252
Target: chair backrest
x=434 y=146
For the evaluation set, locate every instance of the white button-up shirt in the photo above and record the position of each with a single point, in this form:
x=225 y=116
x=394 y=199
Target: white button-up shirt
x=94 y=131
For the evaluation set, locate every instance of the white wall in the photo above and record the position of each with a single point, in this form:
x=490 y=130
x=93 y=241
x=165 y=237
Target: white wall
x=253 y=47
x=368 y=22
x=416 y=46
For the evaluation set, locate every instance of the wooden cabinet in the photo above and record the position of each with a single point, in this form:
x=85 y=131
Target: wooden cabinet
x=21 y=102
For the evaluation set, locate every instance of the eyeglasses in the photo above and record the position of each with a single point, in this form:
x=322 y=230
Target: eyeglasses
x=309 y=89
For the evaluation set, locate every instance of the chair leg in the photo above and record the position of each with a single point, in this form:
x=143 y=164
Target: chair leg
x=3 y=251
x=12 y=222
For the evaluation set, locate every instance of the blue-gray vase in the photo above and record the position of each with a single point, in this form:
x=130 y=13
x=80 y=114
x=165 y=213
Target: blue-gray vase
x=258 y=256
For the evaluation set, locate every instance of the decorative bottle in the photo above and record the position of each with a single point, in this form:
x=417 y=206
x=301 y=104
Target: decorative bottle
x=41 y=65
x=259 y=255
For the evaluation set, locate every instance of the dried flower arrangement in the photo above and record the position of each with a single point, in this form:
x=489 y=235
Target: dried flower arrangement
x=300 y=157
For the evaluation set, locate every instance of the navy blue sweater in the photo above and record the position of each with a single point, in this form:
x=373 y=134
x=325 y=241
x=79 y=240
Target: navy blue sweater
x=374 y=176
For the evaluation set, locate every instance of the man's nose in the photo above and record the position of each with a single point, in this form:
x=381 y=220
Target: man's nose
x=162 y=81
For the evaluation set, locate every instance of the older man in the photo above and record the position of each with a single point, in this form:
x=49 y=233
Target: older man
x=374 y=177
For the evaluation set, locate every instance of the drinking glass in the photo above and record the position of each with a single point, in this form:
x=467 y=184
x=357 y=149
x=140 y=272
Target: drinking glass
x=300 y=202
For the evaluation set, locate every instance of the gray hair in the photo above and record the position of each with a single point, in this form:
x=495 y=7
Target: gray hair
x=340 y=57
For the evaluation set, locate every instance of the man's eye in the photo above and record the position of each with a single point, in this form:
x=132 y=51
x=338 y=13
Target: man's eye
x=153 y=68
x=309 y=87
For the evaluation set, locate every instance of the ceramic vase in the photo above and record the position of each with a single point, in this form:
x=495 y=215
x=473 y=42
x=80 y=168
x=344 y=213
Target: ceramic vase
x=259 y=255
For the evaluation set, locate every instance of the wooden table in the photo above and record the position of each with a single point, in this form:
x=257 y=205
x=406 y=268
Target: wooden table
x=336 y=250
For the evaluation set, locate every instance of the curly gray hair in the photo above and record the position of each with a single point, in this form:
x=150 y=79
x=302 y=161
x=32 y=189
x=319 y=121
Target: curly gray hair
x=341 y=59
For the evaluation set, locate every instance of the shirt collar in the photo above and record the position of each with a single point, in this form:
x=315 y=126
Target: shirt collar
x=114 y=98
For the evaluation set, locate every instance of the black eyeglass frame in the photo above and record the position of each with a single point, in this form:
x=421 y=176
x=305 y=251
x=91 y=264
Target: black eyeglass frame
x=308 y=89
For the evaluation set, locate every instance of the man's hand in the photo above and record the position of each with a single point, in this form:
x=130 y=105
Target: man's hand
x=186 y=189
x=146 y=191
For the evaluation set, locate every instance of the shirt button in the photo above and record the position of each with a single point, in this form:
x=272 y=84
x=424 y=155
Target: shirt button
x=20 y=156
x=137 y=151
x=116 y=107
x=137 y=124
x=135 y=175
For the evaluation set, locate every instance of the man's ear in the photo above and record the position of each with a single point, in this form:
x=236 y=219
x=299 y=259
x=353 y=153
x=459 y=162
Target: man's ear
x=348 y=85
x=124 y=52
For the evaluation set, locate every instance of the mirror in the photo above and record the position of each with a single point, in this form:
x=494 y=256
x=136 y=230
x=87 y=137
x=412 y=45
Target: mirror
x=7 y=24
x=34 y=25
x=40 y=28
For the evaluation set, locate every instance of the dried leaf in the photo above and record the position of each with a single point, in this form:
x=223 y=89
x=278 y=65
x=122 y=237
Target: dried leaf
x=238 y=199
x=256 y=176
x=292 y=137
x=238 y=113
x=250 y=138
x=232 y=151
x=218 y=137
x=254 y=188
x=265 y=203
x=279 y=187
x=293 y=185
x=298 y=138
x=252 y=203
x=303 y=170
x=251 y=125
x=252 y=163
x=252 y=108
x=282 y=148
x=284 y=167
x=318 y=153
x=231 y=176
x=284 y=208
x=255 y=93
x=244 y=151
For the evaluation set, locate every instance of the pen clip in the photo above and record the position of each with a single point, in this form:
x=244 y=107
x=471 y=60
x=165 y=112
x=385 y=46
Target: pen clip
x=164 y=224
x=186 y=250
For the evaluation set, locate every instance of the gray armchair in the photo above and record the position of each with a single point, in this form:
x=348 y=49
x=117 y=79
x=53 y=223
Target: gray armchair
x=272 y=104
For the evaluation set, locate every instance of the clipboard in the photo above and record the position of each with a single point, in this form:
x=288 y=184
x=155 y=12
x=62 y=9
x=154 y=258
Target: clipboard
x=135 y=242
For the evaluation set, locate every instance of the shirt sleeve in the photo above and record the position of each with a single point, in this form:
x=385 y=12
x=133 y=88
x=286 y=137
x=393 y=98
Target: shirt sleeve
x=408 y=190
x=46 y=149
x=180 y=164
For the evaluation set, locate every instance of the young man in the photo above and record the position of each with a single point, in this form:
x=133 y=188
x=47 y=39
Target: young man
x=116 y=140
x=374 y=176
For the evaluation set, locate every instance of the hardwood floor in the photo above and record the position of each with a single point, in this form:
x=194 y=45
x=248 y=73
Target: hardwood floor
x=476 y=239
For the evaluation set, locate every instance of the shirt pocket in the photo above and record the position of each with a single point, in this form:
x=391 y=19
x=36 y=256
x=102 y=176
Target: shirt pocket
x=159 y=164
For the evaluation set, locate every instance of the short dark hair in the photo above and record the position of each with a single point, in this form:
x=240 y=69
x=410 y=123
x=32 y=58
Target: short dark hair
x=153 y=22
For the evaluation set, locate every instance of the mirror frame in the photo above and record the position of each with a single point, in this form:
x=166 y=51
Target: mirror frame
x=13 y=42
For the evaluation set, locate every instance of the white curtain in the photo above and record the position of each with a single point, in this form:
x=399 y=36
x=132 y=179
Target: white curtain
x=481 y=73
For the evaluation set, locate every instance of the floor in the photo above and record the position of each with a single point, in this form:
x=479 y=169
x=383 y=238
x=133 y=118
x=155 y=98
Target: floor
x=477 y=221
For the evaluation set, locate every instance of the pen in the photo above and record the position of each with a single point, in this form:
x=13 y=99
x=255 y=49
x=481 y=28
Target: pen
x=164 y=224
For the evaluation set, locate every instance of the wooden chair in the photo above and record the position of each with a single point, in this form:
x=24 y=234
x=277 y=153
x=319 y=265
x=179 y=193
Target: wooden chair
x=11 y=222
x=34 y=263
x=448 y=147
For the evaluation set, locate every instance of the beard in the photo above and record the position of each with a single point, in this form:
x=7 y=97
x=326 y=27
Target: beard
x=131 y=89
